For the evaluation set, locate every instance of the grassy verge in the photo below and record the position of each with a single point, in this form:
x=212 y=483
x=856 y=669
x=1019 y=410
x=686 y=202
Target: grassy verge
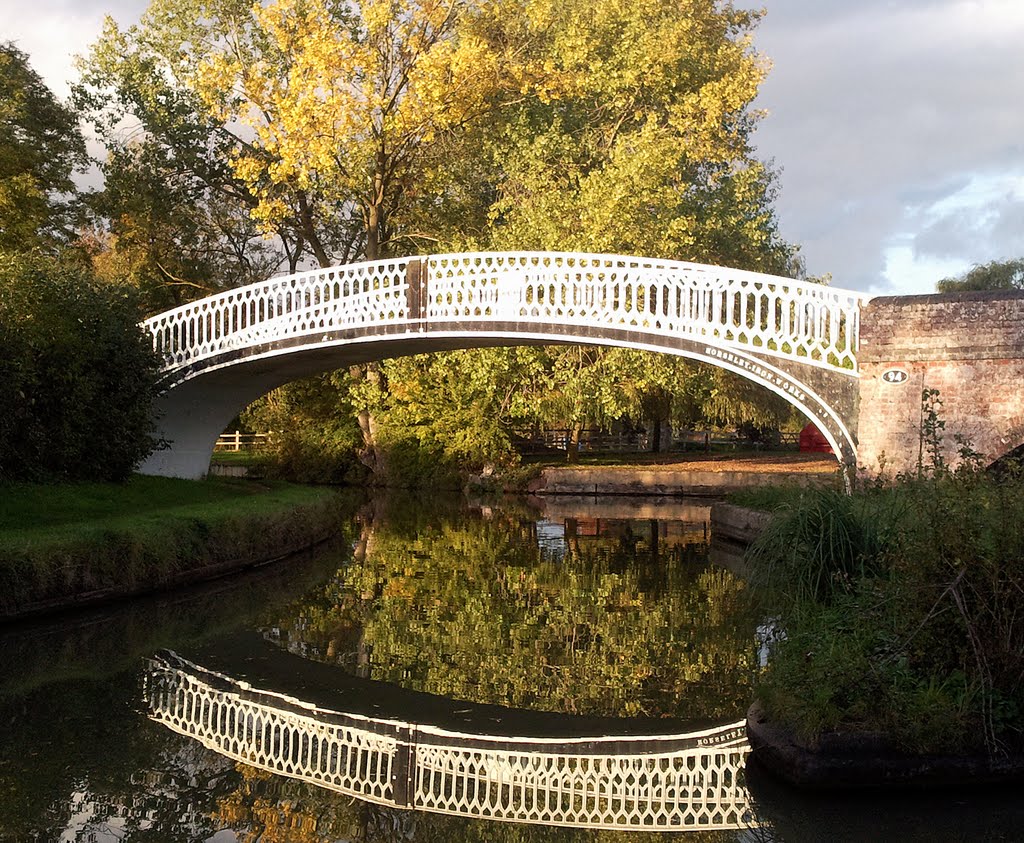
x=900 y=613
x=60 y=544
x=246 y=458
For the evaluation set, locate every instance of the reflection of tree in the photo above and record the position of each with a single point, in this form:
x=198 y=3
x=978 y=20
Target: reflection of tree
x=470 y=609
x=77 y=755
x=266 y=809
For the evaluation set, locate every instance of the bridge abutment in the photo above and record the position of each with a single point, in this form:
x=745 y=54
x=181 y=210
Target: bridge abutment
x=969 y=347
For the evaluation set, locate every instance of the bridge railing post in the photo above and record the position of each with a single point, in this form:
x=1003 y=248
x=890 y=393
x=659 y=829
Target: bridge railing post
x=403 y=769
x=416 y=289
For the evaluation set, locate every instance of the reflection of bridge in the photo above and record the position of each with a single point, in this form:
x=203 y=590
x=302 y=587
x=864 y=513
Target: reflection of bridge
x=796 y=339
x=669 y=782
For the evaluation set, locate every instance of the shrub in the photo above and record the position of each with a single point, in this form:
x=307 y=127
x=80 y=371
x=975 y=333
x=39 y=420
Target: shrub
x=77 y=376
x=901 y=612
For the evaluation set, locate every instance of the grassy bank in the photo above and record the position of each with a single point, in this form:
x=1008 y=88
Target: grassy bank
x=899 y=612
x=67 y=544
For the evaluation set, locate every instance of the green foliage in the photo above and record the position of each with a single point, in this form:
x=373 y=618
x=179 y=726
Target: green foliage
x=900 y=610
x=314 y=435
x=170 y=233
x=77 y=376
x=825 y=544
x=40 y=147
x=994 y=275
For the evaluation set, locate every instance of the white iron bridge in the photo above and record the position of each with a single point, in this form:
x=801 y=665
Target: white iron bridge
x=795 y=338
x=690 y=781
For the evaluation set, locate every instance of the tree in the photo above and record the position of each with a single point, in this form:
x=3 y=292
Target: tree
x=335 y=119
x=40 y=148
x=644 y=147
x=77 y=376
x=994 y=275
x=374 y=128
x=168 y=233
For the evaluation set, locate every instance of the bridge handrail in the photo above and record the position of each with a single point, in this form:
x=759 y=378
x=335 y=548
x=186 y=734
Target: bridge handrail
x=767 y=314
x=670 y=782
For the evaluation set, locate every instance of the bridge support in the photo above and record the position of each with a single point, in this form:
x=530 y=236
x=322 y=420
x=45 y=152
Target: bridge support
x=968 y=346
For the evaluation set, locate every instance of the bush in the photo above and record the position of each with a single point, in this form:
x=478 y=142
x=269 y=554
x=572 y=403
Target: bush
x=901 y=612
x=77 y=376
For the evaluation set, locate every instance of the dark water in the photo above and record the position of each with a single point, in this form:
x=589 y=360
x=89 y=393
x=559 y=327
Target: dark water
x=564 y=619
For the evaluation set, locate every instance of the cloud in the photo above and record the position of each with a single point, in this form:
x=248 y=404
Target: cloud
x=880 y=109
x=982 y=221
x=52 y=32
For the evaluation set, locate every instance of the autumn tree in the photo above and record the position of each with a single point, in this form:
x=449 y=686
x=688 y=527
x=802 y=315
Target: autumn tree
x=40 y=147
x=388 y=127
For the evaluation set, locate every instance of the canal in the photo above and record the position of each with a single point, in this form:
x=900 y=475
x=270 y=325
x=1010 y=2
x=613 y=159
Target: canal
x=577 y=671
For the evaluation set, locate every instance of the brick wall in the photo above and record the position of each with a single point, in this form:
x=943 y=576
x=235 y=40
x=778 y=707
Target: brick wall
x=969 y=346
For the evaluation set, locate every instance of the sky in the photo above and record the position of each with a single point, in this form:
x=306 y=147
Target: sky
x=896 y=126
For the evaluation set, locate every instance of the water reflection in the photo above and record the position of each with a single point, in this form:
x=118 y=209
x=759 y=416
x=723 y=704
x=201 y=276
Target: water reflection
x=592 y=612
x=585 y=614
x=666 y=781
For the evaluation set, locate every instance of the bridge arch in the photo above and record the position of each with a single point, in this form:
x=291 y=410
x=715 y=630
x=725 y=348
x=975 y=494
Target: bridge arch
x=796 y=339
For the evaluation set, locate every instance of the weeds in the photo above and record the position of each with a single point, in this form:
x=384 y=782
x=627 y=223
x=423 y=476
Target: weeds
x=903 y=606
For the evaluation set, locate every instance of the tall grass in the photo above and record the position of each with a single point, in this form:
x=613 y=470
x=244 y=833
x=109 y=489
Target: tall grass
x=903 y=612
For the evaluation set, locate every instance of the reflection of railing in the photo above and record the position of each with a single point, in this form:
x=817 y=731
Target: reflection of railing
x=670 y=782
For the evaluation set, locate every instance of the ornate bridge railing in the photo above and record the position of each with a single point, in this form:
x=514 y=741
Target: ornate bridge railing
x=670 y=782
x=730 y=308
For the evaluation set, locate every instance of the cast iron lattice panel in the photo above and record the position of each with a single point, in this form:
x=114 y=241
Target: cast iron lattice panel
x=723 y=307
x=690 y=781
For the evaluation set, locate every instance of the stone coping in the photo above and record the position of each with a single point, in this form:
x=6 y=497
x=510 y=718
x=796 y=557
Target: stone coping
x=866 y=761
x=669 y=482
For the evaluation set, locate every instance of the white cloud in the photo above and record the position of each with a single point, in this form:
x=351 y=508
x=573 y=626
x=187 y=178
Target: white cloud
x=891 y=109
x=52 y=32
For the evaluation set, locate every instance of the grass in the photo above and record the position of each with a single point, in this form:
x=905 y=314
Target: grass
x=60 y=542
x=238 y=458
x=784 y=496
x=45 y=514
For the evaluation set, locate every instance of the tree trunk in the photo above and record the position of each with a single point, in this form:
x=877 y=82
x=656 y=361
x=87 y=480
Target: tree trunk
x=370 y=454
x=308 y=230
x=572 y=447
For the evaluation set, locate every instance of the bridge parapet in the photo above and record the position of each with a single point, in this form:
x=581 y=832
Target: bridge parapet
x=763 y=314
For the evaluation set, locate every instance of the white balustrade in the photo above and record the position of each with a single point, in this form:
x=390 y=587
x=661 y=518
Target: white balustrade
x=666 y=782
x=526 y=292
x=353 y=296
